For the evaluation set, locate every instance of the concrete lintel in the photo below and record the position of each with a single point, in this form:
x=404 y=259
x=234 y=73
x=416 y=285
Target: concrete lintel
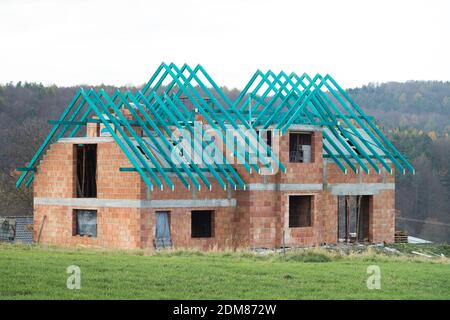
x=334 y=188
x=80 y=140
x=128 y=203
x=285 y=187
x=305 y=127
x=359 y=188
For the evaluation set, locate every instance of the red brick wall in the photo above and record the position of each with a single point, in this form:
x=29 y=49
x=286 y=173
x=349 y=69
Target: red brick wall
x=116 y=227
x=327 y=219
x=112 y=183
x=382 y=211
x=54 y=177
x=302 y=172
x=258 y=220
x=382 y=222
x=263 y=218
x=180 y=228
x=120 y=227
x=335 y=175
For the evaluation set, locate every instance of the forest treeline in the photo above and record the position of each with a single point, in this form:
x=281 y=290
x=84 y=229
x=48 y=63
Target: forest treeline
x=415 y=115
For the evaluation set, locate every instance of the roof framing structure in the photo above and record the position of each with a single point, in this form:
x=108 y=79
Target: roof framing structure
x=174 y=96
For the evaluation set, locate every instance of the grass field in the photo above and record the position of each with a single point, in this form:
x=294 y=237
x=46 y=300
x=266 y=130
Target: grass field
x=32 y=272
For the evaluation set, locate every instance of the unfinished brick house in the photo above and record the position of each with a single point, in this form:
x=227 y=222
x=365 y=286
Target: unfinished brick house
x=122 y=170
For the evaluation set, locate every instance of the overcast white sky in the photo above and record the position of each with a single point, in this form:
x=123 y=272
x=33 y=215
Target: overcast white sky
x=69 y=42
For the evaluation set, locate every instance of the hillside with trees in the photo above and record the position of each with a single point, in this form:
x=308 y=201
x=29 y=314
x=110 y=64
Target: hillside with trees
x=423 y=105
x=415 y=115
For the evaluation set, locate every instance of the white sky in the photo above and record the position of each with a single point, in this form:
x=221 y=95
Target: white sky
x=122 y=42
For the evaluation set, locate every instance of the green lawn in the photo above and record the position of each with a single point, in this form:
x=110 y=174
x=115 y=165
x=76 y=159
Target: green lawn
x=32 y=272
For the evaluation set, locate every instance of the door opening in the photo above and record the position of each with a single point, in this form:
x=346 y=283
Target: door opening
x=162 y=236
x=353 y=218
x=86 y=170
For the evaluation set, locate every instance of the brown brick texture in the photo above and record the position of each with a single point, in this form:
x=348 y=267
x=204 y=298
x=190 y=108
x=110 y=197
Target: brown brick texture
x=260 y=218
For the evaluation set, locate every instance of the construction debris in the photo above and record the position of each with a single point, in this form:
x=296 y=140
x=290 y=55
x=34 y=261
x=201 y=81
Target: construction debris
x=421 y=254
x=418 y=240
x=16 y=229
x=392 y=251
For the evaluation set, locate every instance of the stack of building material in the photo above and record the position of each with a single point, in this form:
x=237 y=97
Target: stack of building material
x=16 y=229
x=24 y=229
x=7 y=229
x=401 y=236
